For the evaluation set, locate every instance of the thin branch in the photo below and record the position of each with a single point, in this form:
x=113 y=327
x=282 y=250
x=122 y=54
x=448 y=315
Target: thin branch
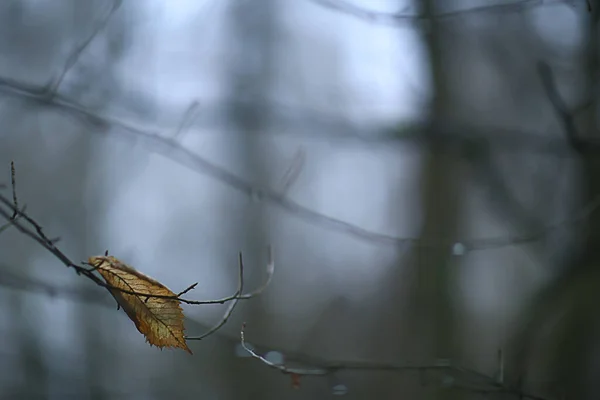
x=270 y=271
x=13 y=183
x=400 y=19
x=192 y=286
x=229 y=310
x=14 y=195
x=320 y=368
x=281 y=368
x=240 y=295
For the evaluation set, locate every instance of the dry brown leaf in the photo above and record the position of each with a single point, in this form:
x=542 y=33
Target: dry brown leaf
x=160 y=320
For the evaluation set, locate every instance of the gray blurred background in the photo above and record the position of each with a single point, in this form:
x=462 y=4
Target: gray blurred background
x=424 y=204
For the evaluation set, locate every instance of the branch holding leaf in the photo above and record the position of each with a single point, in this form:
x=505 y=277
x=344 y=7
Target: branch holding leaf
x=159 y=319
x=154 y=309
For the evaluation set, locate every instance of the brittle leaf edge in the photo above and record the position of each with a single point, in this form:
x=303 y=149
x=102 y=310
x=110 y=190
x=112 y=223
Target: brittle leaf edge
x=151 y=306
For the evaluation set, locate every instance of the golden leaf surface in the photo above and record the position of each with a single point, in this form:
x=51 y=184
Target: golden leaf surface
x=160 y=320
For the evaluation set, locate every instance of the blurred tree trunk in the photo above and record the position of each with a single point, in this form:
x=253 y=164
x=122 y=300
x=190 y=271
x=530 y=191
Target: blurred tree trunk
x=248 y=83
x=31 y=363
x=569 y=301
x=579 y=294
x=441 y=189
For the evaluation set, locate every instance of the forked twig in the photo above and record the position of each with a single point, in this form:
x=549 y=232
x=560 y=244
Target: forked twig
x=229 y=310
x=240 y=296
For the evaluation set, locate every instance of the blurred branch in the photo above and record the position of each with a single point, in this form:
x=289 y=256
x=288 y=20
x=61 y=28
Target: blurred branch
x=564 y=114
x=178 y=153
x=478 y=382
x=502 y=199
x=167 y=146
x=25 y=284
x=51 y=88
x=188 y=118
x=172 y=149
x=501 y=194
x=291 y=174
x=399 y=18
x=492 y=243
x=307 y=122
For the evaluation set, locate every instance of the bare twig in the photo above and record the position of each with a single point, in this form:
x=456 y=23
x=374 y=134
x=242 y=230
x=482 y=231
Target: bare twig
x=229 y=310
x=13 y=183
x=485 y=384
x=240 y=295
x=282 y=368
x=270 y=270
x=192 y=286
x=14 y=195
